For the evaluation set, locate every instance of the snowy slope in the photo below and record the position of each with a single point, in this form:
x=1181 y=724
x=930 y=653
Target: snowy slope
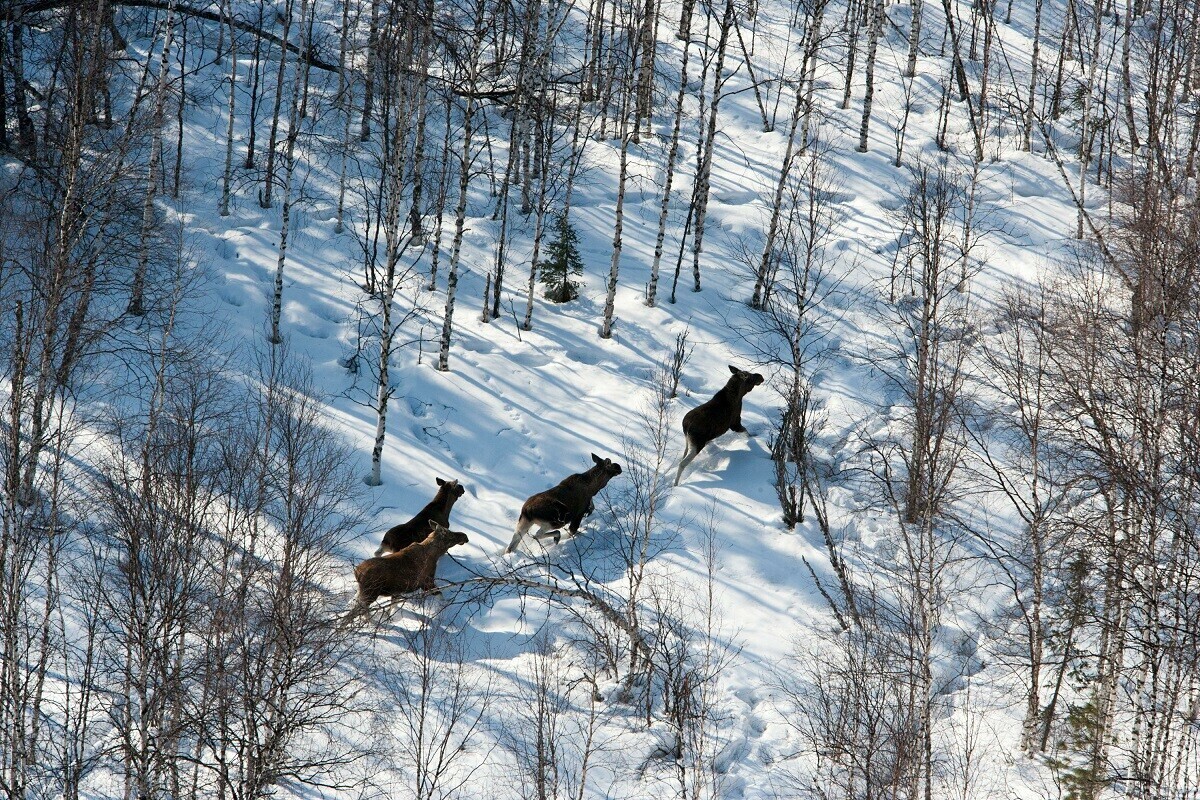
x=519 y=411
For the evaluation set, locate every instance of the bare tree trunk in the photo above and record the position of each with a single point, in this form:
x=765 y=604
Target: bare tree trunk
x=853 y=26
x=647 y=37
x=265 y=197
x=177 y=176
x=791 y=150
x=137 y=295
x=668 y=182
x=610 y=299
x=26 y=137
x=423 y=49
x=227 y=173
x=960 y=74
x=256 y=68
x=443 y=191
x=914 y=41
x=813 y=40
x=460 y=215
x=1085 y=149
x=369 y=72
x=685 y=20
x=872 y=47
x=345 y=102
x=1027 y=133
x=704 y=174
x=289 y=166
x=1127 y=89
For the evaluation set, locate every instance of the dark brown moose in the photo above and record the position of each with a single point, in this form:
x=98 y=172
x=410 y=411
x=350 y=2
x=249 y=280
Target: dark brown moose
x=724 y=412
x=409 y=570
x=416 y=529
x=565 y=504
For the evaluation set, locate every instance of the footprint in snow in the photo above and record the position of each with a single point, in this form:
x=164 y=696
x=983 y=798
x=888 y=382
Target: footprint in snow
x=839 y=197
x=582 y=357
x=481 y=346
x=518 y=420
x=532 y=359
x=327 y=313
x=737 y=197
x=233 y=298
x=418 y=408
x=311 y=331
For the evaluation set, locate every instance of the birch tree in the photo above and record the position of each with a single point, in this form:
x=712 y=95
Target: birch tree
x=289 y=169
x=470 y=78
x=704 y=169
x=137 y=293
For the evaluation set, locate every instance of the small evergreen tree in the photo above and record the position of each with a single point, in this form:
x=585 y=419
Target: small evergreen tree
x=562 y=261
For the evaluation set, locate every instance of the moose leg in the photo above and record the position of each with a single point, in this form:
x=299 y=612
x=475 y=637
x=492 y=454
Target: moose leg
x=574 y=528
x=547 y=529
x=523 y=526
x=361 y=606
x=689 y=453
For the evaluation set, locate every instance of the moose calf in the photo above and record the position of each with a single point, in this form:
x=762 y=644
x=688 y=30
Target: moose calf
x=409 y=570
x=567 y=503
x=416 y=529
x=709 y=420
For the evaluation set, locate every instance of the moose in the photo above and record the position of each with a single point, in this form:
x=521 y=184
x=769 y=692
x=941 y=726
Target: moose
x=565 y=504
x=417 y=529
x=408 y=570
x=723 y=412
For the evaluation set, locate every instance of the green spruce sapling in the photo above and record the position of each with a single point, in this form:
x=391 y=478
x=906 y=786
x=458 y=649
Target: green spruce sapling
x=562 y=262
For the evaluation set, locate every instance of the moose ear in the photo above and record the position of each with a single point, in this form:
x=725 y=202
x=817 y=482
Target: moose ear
x=733 y=369
x=597 y=459
x=440 y=482
x=433 y=525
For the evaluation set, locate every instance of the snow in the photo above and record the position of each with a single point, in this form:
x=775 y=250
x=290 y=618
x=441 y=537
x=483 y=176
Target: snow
x=520 y=410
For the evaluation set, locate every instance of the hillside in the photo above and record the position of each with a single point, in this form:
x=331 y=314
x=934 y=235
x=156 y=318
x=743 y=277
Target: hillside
x=247 y=323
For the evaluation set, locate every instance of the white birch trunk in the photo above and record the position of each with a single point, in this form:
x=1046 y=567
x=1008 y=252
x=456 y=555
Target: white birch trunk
x=869 y=69
x=266 y=197
x=460 y=213
x=914 y=40
x=227 y=175
x=383 y=392
x=610 y=299
x=137 y=294
x=1085 y=148
x=809 y=80
x=1027 y=134
x=705 y=172
x=289 y=171
x=344 y=100
x=672 y=155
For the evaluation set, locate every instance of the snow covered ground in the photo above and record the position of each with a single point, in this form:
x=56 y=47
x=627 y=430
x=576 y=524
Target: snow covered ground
x=518 y=411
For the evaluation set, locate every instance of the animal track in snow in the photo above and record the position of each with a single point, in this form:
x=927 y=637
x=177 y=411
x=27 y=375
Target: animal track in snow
x=737 y=197
x=582 y=356
x=531 y=358
x=418 y=408
x=480 y=346
x=311 y=331
x=233 y=298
